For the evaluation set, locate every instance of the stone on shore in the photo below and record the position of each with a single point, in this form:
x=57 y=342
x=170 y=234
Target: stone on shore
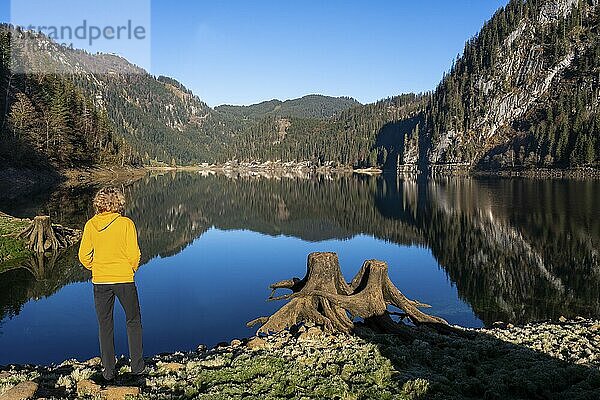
x=538 y=360
x=256 y=343
x=92 y=362
x=22 y=391
x=119 y=392
x=88 y=388
x=310 y=334
x=170 y=367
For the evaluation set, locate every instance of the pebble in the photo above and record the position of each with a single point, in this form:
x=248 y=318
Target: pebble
x=119 y=392
x=22 y=391
x=310 y=334
x=327 y=357
x=93 y=361
x=170 y=366
x=256 y=343
x=87 y=387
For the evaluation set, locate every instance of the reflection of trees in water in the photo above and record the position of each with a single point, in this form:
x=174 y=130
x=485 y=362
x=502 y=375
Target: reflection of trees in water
x=170 y=211
x=514 y=253
x=517 y=250
x=67 y=205
x=37 y=277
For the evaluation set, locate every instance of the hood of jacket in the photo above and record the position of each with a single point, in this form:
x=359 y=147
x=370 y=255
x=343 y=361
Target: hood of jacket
x=103 y=220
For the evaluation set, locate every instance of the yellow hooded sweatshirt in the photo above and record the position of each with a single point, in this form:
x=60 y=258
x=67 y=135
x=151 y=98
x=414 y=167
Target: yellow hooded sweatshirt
x=109 y=248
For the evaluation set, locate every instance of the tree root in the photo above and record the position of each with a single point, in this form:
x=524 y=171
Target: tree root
x=42 y=236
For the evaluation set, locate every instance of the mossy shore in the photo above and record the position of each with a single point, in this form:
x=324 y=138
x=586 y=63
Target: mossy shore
x=547 y=360
x=11 y=248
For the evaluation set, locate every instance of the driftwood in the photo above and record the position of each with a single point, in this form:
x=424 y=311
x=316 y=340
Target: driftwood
x=42 y=236
x=324 y=298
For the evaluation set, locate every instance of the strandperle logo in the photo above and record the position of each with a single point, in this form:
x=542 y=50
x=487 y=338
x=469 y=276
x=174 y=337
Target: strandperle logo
x=114 y=27
x=90 y=33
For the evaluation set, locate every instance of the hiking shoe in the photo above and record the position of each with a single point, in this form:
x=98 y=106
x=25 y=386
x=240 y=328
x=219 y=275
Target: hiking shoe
x=130 y=379
x=99 y=379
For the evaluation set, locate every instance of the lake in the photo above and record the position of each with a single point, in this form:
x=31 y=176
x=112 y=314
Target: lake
x=478 y=250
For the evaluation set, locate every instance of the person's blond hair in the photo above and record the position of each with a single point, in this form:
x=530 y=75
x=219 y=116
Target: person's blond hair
x=109 y=199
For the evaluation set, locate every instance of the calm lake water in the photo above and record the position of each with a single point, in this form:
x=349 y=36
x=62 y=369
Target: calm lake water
x=477 y=250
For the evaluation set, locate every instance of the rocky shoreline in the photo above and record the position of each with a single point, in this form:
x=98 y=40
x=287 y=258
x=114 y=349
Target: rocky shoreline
x=542 y=360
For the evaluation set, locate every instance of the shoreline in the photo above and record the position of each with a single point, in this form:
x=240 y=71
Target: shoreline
x=579 y=173
x=541 y=359
x=15 y=182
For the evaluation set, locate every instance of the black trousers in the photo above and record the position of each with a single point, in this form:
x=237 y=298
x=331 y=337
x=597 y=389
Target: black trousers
x=104 y=299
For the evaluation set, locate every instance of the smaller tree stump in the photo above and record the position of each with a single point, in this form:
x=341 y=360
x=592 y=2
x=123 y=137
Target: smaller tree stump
x=41 y=236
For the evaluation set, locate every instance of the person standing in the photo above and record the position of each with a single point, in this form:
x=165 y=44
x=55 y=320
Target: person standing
x=109 y=248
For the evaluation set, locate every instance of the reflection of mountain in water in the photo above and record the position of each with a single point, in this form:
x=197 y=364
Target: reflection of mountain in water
x=517 y=250
x=172 y=210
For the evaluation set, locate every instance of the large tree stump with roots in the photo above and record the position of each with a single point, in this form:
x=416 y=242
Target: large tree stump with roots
x=42 y=236
x=324 y=298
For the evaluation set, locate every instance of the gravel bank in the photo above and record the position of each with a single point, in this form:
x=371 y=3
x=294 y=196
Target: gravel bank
x=545 y=360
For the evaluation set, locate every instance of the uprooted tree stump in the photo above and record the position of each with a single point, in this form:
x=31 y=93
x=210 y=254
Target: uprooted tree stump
x=42 y=236
x=324 y=298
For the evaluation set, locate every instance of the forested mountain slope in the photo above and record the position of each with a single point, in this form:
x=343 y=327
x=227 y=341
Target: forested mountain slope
x=353 y=137
x=47 y=121
x=309 y=106
x=47 y=109
x=525 y=93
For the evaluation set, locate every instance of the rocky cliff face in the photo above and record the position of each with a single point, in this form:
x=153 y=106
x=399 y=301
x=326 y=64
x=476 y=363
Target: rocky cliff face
x=529 y=57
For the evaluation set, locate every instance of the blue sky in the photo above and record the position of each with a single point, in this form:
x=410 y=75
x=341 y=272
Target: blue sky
x=241 y=52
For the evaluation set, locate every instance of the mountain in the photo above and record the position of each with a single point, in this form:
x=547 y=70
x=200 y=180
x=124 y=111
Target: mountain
x=352 y=137
x=141 y=117
x=310 y=106
x=155 y=117
x=525 y=93
x=48 y=121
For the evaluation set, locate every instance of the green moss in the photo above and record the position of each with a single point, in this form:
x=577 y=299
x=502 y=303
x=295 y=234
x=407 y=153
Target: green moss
x=10 y=225
x=11 y=249
x=244 y=371
x=323 y=374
